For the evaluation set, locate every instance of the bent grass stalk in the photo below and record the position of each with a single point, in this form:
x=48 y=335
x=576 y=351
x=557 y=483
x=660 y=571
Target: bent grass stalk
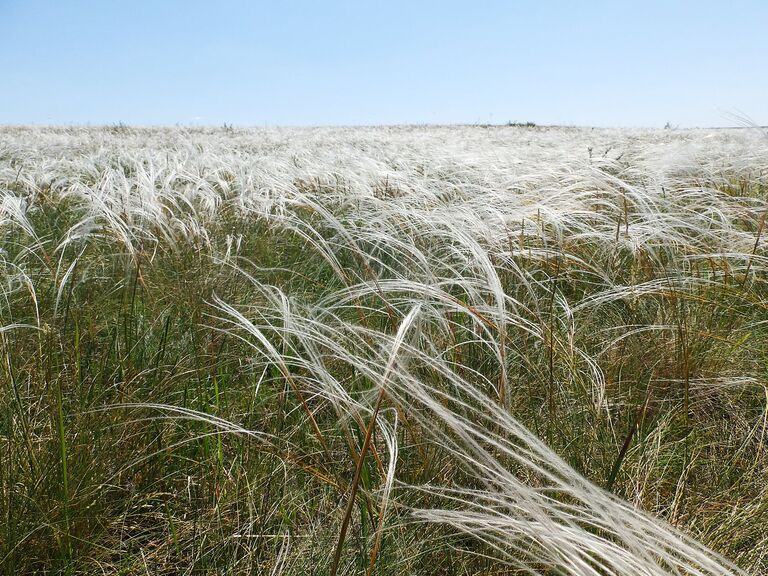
x=399 y=337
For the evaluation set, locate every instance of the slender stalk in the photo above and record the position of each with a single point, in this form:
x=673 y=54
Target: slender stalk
x=399 y=337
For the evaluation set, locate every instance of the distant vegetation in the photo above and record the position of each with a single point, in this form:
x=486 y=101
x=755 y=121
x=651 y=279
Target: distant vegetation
x=383 y=351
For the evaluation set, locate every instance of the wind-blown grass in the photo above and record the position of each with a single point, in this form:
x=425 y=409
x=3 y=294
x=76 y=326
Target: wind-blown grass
x=383 y=350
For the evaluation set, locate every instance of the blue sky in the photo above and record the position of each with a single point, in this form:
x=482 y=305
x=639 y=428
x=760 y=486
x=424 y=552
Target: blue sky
x=618 y=63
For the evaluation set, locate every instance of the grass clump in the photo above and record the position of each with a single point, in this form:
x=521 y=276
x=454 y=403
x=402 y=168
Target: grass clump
x=383 y=351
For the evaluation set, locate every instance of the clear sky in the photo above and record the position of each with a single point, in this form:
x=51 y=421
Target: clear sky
x=612 y=63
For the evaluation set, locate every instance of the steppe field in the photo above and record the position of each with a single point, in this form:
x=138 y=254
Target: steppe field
x=448 y=351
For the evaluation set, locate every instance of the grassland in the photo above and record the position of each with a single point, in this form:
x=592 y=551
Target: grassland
x=383 y=351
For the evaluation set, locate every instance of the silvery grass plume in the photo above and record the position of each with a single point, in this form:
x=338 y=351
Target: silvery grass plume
x=533 y=510
x=443 y=273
